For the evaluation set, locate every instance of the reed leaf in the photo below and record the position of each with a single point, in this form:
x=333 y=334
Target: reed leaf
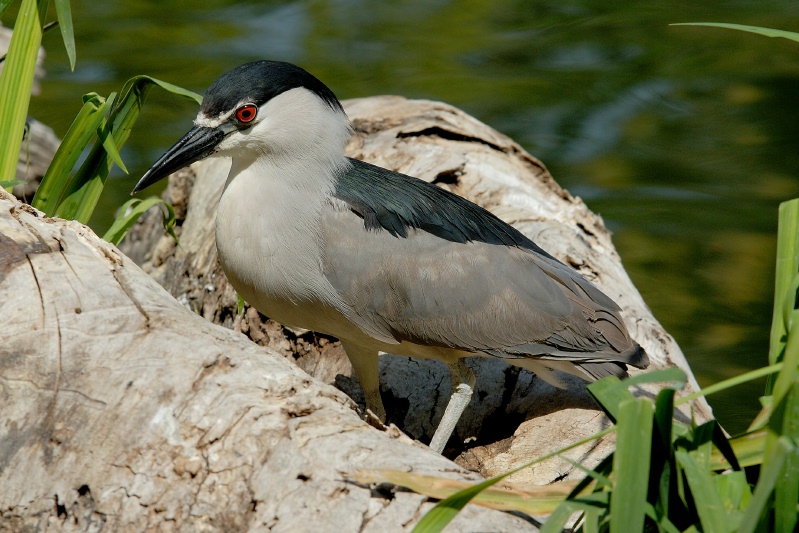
x=767 y=32
x=631 y=465
x=765 y=485
x=4 y=5
x=16 y=81
x=64 y=14
x=130 y=212
x=709 y=505
x=57 y=181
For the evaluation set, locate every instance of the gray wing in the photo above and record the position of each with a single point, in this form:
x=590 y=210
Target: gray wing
x=474 y=296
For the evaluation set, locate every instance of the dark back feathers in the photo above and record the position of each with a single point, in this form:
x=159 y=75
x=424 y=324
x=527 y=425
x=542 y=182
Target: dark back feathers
x=395 y=202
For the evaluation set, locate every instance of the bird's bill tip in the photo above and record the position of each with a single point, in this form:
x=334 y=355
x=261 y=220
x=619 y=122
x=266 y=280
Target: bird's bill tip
x=146 y=180
x=197 y=144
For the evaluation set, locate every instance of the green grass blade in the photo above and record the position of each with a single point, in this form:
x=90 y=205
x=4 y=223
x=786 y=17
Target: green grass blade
x=16 y=81
x=733 y=488
x=10 y=184
x=170 y=222
x=664 y=524
x=748 y=450
x=631 y=465
x=113 y=152
x=89 y=181
x=709 y=505
x=786 y=493
x=557 y=520
x=782 y=385
x=786 y=269
x=594 y=507
x=137 y=84
x=591 y=520
x=531 y=499
x=603 y=469
x=64 y=14
x=4 y=5
x=673 y=374
x=662 y=451
x=610 y=393
x=444 y=511
x=129 y=213
x=57 y=181
x=768 y=32
x=664 y=417
x=174 y=89
x=765 y=485
x=729 y=383
x=723 y=445
x=447 y=509
x=790 y=362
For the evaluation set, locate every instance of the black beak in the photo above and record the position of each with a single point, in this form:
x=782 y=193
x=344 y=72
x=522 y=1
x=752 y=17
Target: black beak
x=198 y=143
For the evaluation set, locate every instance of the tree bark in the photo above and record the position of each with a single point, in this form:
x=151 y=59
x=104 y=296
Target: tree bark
x=124 y=411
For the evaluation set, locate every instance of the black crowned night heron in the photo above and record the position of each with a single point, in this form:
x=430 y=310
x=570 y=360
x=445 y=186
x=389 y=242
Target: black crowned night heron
x=383 y=261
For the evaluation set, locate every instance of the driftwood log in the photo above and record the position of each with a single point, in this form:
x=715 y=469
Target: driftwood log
x=123 y=410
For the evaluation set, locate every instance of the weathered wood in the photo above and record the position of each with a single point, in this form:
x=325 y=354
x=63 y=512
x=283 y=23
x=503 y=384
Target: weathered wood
x=514 y=416
x=124 y=411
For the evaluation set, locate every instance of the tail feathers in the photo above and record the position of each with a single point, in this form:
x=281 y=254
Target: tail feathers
x=602 y=370
x=637 y=357
x=547 y=366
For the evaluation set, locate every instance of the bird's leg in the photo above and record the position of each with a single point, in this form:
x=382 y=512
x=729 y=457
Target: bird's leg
x=364 y=362
x=462 y=386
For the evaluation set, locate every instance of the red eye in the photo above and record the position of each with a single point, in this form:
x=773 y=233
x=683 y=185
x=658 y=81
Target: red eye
x=247 y=113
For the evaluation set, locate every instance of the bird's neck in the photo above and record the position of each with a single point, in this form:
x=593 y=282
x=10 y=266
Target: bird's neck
x=268 y=225
x=280 y=192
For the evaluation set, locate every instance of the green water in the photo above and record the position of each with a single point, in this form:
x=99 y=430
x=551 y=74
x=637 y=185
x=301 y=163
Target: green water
x=684 y=139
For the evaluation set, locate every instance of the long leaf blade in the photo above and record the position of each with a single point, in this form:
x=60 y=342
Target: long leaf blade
x=709 y=505
x=174 y=89
x=16 y=81
x=748 y=450
x=445 y=510
x=610 y=393
x=787 y=265
x=765 y=485
x=531 y=499
x=786 y=492
x=4 y=5
x=56 y=182
x=631 y=465
x=64 y=14
x=113 y=152
x=129 y=213
x=767 y=32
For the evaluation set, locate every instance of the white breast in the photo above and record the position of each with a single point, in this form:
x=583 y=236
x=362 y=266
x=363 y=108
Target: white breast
x=282 y=176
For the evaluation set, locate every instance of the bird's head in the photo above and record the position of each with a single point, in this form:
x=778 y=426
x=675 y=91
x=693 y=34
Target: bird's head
x=266 y=109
